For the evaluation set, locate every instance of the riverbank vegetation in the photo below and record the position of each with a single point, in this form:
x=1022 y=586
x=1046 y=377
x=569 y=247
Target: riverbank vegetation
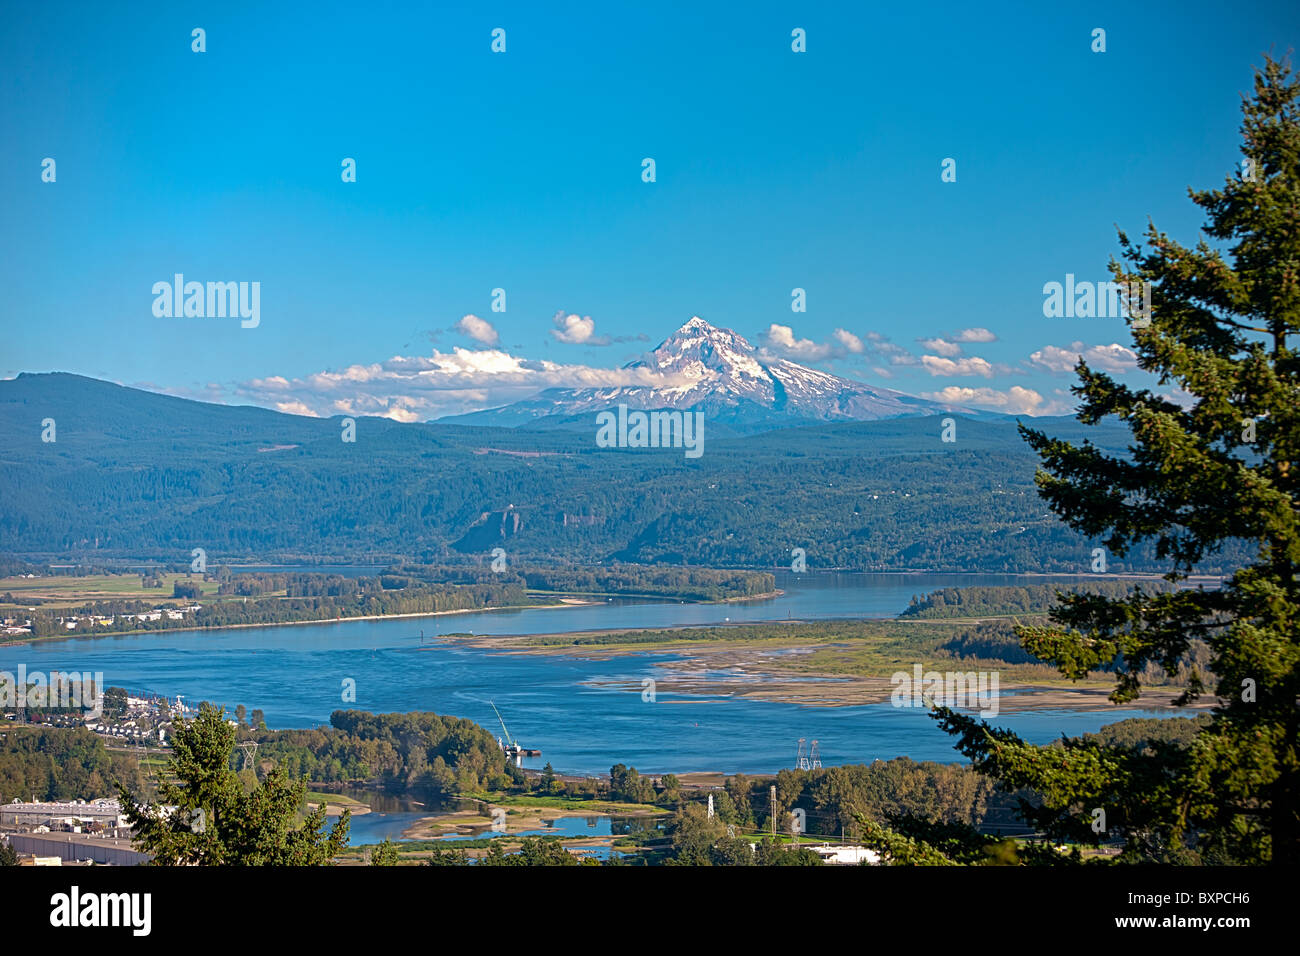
x=421 y=754
x=1005 y=601
x=120 y=603
x=61 y=763
x=872 y=648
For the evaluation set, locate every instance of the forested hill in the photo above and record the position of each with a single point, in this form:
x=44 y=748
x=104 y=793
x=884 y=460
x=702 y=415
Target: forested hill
x=1021 y=599
x=135 y=474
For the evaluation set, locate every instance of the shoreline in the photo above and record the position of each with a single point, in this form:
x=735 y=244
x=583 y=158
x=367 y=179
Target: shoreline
x=322 y=620
x=574 y=601
x=760 y=673
x=566 y=600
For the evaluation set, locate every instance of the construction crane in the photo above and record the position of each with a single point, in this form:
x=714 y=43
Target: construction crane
x=511 y=746
x=509 y=739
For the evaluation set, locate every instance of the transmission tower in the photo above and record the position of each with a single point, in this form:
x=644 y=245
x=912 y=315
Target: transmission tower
x=249 y=748
x=816 y=757
x=801 y=760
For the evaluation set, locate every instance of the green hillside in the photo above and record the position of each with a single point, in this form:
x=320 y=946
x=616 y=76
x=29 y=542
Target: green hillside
x=136 y=474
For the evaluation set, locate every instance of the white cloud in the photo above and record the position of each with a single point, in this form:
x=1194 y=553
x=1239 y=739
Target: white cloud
x=781 y=340
x=1106 y=358
x=399 y=408
x=1016 y=400
x=1111 y=358
x=941 y=346
x=416 y=388
x=294 y=408
x=879 y=347
x=949 y=346
x=972 y=365
x=1183 y=399
x=850 y=341
x=976 y=334
x=896 y=354
x=480 y=330
x=574 y=329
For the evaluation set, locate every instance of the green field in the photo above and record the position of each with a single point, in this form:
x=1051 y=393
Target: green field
x=65 y=591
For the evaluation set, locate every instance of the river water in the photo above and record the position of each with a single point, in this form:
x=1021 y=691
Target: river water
x=371 y=828
x=296 y=675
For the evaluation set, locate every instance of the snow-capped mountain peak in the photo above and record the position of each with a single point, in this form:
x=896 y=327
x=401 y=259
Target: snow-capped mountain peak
x=703 y=351
x=715 y=370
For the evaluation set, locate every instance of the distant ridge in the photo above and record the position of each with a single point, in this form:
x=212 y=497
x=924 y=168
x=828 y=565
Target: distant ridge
x=138 y=475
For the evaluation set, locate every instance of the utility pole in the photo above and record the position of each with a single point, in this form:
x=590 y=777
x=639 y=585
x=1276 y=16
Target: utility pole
x=773 y=795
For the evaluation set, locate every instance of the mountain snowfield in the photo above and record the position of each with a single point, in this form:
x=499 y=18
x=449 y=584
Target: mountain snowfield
x=723 y=376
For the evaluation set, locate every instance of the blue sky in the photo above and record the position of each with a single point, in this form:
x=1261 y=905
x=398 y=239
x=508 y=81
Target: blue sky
x=522 y=171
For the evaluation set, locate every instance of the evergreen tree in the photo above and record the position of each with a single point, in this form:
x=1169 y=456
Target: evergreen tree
x=385 y=854
x=447 y=857
x=1202 y=473
x=533 y=851
x=204 y=816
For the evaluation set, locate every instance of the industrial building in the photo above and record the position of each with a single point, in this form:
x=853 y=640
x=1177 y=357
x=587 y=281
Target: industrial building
x=71 y=815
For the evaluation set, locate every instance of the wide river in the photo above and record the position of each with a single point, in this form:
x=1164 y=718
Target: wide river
x=295 y=674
